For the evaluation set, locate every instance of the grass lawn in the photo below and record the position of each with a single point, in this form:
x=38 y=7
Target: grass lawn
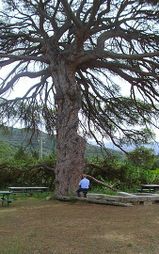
x=38 y=226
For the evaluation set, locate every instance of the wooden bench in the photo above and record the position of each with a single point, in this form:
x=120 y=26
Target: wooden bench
x=149 y=187
x=27 y=189
x=145 y=190
x=5 y=199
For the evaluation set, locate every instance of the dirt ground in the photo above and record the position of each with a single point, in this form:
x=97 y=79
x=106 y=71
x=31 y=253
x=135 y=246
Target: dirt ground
x=45 y=227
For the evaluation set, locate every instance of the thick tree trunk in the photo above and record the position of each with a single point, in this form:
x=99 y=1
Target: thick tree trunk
x=70 y=146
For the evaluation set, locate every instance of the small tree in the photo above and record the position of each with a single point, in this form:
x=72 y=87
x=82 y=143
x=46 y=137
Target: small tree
x=142 y=157
x=76 y=53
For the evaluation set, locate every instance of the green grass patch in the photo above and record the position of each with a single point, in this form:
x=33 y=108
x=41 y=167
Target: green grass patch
x=103 y=190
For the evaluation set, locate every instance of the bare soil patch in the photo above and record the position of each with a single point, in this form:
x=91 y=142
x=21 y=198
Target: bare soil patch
x=53 y=227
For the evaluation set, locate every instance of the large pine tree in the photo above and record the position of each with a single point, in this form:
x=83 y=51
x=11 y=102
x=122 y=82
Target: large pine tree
x=77 y=54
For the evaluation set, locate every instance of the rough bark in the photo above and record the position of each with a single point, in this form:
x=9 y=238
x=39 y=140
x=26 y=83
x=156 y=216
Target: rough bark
x=70 y=146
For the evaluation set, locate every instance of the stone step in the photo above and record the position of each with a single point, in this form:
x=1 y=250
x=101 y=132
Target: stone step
x=133 y=199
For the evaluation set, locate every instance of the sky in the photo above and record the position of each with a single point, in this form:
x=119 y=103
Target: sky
x=21 y=88
x=23 y=85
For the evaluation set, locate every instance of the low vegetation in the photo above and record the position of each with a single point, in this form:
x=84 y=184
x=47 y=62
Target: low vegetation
x=124 y=173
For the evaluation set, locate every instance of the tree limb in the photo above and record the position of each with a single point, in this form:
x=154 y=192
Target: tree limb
x=100 y=182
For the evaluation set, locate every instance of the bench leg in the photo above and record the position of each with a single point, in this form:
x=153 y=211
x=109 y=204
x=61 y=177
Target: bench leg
x=5 y=201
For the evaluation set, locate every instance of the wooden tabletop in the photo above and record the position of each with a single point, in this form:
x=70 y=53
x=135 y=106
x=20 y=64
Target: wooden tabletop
x=28 y=188
x=5 y=192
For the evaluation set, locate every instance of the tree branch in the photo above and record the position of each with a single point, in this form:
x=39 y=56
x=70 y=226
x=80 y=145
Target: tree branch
x=70 y=14
x=100 y=182
x=23 y=57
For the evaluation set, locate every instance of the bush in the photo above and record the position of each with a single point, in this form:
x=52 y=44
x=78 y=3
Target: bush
x=28 y=172
x=143 y=157
x=123 y=174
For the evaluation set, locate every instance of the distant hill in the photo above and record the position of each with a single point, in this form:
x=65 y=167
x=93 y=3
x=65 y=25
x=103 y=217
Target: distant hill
x=97 y=151
x=153 y=145
x=38 y=141
x=41 y=142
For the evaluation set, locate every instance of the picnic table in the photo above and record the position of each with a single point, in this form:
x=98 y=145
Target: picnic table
x=149 y=187
x=29 y=190
x=5 y=197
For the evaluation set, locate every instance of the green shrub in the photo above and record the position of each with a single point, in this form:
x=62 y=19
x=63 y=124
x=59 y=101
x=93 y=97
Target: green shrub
x=123 y=174
x=143 y=157
x=28 y=172
x=150 y=176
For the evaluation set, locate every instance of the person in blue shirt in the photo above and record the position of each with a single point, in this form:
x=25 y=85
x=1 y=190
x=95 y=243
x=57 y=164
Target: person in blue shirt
x=84 y=186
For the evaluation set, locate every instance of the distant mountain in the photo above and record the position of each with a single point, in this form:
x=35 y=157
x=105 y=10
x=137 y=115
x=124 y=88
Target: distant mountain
x=42 y=142
x=154 y=146
x=97 y=151
x=38 y=141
